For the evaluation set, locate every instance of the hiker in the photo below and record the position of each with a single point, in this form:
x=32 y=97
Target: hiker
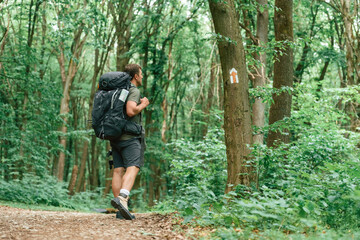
x=128 y=151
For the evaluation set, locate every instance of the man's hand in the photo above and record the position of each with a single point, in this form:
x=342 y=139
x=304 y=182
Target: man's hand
x=144 y=101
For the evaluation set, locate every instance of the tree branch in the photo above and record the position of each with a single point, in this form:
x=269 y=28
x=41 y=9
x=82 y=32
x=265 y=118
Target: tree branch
x=255 y=40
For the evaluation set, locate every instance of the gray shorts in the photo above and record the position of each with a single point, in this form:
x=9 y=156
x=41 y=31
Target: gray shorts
x=127 y=153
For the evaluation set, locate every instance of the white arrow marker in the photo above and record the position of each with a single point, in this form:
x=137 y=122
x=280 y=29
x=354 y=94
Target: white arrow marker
x=233 y=76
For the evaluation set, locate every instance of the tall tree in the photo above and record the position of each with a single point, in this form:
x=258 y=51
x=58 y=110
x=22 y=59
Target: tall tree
x=122 y=13
x=68 y=68
x=351 y=41
x=283 y=69
x=350 y=13
x=258 y=108
x=210 y=95
x=104 y=39
x=302 y=64
x=161 y=25
x=237 y=122
x=32 y=19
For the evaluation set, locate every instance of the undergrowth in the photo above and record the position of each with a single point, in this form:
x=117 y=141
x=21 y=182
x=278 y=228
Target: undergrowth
x=307 y=189
x=47 y=191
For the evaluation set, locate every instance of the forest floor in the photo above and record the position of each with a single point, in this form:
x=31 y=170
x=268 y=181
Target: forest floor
x=18 y=223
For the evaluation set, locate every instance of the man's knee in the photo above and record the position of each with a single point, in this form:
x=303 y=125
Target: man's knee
x=119 y=171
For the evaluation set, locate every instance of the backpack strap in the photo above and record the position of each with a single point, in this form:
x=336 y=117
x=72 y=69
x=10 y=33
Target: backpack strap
x=129 y=87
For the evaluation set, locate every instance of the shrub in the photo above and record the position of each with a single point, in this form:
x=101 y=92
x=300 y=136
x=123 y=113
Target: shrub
x=49 y=191
x=197 y=171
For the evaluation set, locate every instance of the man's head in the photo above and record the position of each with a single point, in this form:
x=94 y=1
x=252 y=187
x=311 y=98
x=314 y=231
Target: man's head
x=134 y=70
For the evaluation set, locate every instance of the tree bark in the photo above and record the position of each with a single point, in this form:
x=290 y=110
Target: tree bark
x=339 y=29
x=100 y=60
x=210 y=95
x=75 y=169
x=283 y=70
x=237 y=122
x=68 y=76
x=350 y=41
x=122 y=12
x=301 y=66
x=220 y=91
x=64 y=110
x=351 y=74
x=164 y=103
x=31 y=30
x=258 y=108
x=73 y=180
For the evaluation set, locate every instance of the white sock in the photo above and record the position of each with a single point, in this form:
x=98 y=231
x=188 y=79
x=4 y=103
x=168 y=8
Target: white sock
x=124 y=191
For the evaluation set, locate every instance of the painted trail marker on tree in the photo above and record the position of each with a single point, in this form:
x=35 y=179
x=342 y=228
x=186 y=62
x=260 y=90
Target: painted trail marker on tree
x=233 y=76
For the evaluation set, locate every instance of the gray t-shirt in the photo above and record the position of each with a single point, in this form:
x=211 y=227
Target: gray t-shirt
x=134 y=95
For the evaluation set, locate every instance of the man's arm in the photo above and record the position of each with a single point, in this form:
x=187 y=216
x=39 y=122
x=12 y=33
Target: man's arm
x=133 y=109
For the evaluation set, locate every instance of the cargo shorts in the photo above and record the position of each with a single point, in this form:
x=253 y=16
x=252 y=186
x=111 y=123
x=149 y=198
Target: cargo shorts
x=127 y=153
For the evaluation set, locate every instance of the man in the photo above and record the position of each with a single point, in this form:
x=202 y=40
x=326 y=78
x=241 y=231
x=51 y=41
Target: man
x=127 y=152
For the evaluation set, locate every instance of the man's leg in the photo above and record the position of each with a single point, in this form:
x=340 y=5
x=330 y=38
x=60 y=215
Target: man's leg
x=121 y=200
x=131 y=156
x=128 y=179
x=117 y=180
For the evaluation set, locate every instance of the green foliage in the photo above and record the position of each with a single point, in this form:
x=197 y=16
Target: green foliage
x=197 y=171
x=326 y=234
x=47 y=190
x=310 y=185
x=35 y=190
x=266 y=92
x=307 y=189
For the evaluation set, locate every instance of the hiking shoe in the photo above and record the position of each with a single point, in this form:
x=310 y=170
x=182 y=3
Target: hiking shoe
x=121 y=203
x=119 y=216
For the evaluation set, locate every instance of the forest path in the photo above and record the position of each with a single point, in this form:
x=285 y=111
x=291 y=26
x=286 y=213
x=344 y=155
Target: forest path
x=33 y=224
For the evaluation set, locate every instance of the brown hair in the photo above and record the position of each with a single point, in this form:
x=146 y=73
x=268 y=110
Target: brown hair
x=132 y=69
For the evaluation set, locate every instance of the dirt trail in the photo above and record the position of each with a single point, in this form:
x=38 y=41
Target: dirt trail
x=32 y=224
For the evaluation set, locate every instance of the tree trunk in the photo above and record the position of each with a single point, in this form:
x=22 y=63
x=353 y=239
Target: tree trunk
x=67 y=77
x=210 y=95
x=81 y=172
x=283 y=70
x=349 y=42
x=64 y=110
x=99 y=64
x=73 y=180
x=339 y=29
x=67 y=161
x=93 y=170
x=301 y=66
x=164 y=108
x=32 y=18
x=258 y=108
x=352 y=57
x=164 y=104
x=75 y=169
x=123 y=48
x=220 y=89
x=151 y=186
x=237 y=122
x=327 y=60
x=108 y=172
x=122 y=12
